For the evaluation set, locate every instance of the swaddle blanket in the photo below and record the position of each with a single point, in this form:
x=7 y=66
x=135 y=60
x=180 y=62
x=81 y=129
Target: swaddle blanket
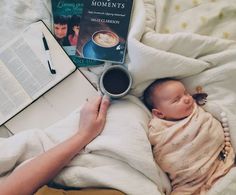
x=188 y=150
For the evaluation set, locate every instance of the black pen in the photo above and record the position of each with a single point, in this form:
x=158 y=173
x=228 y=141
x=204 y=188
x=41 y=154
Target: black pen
x=53 y=71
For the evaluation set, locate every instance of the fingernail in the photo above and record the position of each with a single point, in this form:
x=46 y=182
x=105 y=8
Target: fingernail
x=107 y=97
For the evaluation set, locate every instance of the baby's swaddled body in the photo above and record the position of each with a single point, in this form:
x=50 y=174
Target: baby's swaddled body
x=188 y=151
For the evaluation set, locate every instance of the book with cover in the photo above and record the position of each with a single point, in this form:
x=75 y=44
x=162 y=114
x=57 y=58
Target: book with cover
x=66 y=27
x=104 y=29
x=30 y=64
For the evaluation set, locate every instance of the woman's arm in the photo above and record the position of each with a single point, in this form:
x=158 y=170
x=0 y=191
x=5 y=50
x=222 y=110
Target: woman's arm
x=26 y=179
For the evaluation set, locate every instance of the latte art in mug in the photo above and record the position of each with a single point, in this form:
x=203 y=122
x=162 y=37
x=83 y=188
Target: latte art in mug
x=106 y=39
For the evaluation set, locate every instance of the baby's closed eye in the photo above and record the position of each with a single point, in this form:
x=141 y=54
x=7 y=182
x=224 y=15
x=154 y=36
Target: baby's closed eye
x=175 y=100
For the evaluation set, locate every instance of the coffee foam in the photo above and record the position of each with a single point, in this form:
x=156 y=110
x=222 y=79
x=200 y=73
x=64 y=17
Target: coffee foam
x=106 y=39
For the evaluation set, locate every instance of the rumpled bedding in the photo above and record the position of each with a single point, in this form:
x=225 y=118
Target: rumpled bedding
x=194 y=41
x=190 y=40
x=188 y=150
x=120 y=157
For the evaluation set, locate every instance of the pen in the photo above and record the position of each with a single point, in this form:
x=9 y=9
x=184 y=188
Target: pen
x=53 y=71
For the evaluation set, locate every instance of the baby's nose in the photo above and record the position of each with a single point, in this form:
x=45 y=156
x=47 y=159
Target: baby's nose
x=187 y=100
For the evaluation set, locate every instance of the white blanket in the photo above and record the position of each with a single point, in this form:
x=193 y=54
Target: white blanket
x=193 y=41
x=119 y=158
x=190 y=40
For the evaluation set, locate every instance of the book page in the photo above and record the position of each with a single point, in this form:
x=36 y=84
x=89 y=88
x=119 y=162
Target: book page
x=55 y=105
x=33 y=36
x=26 y=67
x=25 y=74
x=22 y=76
x=12 y=96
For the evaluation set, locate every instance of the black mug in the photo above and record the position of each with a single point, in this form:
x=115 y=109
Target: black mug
x=115 y=81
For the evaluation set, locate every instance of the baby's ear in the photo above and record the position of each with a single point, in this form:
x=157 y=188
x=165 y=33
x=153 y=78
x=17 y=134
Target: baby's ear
x=157 y=113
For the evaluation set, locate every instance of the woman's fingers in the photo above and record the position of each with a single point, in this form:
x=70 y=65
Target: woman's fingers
x=93 y=103
x=103 y=108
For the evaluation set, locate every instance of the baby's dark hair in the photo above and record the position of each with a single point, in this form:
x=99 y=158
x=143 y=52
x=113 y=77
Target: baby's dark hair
x=149 y=92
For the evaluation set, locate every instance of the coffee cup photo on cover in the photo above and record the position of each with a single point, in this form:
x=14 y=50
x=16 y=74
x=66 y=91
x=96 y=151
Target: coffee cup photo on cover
x=104 y=44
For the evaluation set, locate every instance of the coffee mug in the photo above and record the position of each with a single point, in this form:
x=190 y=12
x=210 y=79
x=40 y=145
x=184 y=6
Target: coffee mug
x=105 y=42
x=115 y=81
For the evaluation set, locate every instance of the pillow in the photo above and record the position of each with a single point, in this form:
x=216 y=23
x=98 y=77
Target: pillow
x=219 y=84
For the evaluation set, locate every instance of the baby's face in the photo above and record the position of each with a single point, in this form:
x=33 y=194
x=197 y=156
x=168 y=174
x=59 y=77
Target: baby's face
x=173 y=101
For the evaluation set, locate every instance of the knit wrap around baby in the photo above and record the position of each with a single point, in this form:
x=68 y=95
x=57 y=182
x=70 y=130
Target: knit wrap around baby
x=188 y=151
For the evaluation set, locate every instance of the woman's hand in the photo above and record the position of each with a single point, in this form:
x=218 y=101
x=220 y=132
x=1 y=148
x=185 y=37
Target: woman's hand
x=93 y=117
x=40 y=170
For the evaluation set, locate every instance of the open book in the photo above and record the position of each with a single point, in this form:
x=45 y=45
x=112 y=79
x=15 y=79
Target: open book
x=26 y=70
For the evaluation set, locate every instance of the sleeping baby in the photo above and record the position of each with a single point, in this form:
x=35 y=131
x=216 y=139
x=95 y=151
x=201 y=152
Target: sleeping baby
x=189 y=144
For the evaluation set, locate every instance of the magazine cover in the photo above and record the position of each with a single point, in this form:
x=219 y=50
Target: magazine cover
x=66 y=26
x=104 y=30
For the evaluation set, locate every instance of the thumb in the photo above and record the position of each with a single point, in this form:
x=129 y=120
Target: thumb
x=103 y=107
